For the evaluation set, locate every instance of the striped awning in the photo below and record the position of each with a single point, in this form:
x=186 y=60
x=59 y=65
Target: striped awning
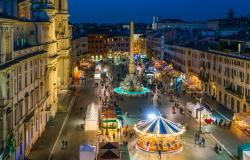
x=159 y=126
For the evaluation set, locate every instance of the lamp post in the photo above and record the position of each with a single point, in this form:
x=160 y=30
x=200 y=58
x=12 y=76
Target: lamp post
x=201 y=108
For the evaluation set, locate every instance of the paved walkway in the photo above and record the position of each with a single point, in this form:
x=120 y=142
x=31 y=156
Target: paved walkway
x=45 y=143
x=230 y=138
x=72 y=132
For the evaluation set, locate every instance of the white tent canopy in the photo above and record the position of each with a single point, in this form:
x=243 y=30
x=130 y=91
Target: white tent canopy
x=91 y=121
x=195 y=109
x=87 y=152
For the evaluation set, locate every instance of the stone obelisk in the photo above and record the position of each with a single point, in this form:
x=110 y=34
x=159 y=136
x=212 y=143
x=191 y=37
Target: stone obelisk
x=131 y=60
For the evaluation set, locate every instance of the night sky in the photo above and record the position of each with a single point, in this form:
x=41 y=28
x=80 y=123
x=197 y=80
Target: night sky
x=115 y=11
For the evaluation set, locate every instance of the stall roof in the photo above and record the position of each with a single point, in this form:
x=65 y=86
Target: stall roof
x=92 y=112
x=159 y=125
x=87 y=148
x=109 y=155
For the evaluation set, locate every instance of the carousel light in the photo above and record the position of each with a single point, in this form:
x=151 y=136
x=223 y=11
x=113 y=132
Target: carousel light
x=151 y=116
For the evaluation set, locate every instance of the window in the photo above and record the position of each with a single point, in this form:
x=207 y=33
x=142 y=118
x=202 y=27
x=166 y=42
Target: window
x=60 y=5
x=26 y=104
x=31 y=76
x=26 y=79
x=16 y=114
x=20 y=109
x=15 y=85
x=20 y=83
x=31 y=99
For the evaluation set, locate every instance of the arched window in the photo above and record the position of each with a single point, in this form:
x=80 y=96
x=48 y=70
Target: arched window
x=225 y=99
x=238 y=106
x=220 y=96
x=232 y=104
x=244 y=108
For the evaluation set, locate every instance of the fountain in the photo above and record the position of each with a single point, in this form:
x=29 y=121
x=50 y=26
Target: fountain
x=131 y=84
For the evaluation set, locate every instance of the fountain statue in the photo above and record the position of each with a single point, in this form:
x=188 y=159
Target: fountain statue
x=131 y=84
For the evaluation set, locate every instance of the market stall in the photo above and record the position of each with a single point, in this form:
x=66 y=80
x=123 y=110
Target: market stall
x=109 y=118
x=197 y=110
x=91 y=120
x=159 y=134
x=87 y=152
x=98 y=71
x=243 y=121
x=244 y=151
x=192 y=86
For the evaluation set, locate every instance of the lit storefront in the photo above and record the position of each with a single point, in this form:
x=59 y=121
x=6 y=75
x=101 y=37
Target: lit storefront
x=109 y=118
x=242 y=120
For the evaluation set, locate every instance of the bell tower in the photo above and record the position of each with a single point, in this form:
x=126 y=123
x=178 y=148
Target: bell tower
x=61 y=6
x=24 y=9
x=63 y=38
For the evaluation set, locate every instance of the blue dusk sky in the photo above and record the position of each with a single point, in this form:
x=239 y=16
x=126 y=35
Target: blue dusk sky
x=115 y=11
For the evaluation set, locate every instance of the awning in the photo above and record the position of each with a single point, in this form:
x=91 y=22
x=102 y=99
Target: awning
x=111 y=120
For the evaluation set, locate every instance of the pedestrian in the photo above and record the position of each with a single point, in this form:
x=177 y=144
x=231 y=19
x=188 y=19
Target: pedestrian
x=199 y=136
x=62 y=144
x=159 y=153
x=200 y=142
x=229 y=124
x=113 y=136
x=215 y=121
x=66 y=144
x=225 y=124
x=196 y=137
x=203 y=141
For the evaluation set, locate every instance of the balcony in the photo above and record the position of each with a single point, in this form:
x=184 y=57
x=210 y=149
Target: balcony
x=234 y=92
x=203 y=78
x=29 y=50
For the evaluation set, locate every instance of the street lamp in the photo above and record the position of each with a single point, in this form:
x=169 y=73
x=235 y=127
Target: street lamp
x=201 y=108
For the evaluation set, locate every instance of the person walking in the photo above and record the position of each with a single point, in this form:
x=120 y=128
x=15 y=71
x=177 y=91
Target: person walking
x=62 y=145
x=203 y=141
x=159 y=153
x=196 y=138
x=66 y=144
x=113 y=136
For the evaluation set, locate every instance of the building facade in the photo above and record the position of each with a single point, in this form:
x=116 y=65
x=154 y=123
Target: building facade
x=34 y=67
x=160 y=23
x=97 y=45
x=223 y=76
x=79 y=50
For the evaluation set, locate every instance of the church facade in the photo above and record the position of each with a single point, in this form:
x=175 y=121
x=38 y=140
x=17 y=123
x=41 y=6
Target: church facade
x=34 y=67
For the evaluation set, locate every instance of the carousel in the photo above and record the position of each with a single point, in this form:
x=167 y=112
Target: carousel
x=159 y=134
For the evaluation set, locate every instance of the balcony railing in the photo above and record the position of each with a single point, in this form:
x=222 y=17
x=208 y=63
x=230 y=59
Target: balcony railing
x=234 y=92
x=26 y=51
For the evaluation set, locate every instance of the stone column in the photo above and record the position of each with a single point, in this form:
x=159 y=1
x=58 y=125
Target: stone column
x=1 y=45
x=131 y=61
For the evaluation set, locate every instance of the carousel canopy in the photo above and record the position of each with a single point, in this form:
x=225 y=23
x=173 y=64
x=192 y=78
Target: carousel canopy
x=160 y=126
